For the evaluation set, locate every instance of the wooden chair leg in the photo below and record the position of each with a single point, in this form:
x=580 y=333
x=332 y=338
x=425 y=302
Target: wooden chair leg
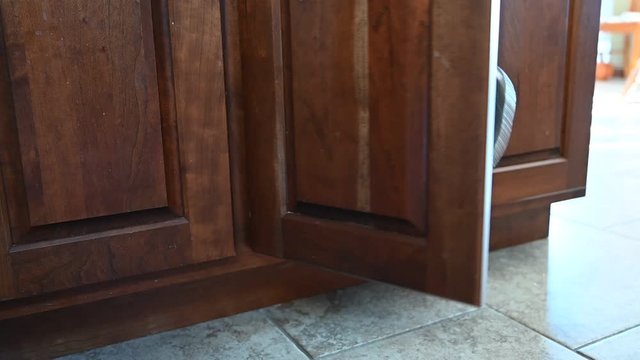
x=632 y=78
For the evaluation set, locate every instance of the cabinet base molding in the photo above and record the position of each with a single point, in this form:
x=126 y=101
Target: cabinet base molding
x=525 y=220
x=519 y=227
x=81 y=327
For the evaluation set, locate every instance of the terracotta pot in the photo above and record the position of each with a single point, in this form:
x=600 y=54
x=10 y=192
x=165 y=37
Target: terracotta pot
x=604 y=71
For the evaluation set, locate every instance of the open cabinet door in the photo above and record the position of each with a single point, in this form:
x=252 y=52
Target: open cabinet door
x=366 y=137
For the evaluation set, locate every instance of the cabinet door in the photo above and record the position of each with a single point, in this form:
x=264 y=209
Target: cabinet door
x=113 y=141
x=366 y=137
x=548 y=48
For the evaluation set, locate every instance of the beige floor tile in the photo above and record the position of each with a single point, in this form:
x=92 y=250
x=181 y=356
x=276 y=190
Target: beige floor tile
x=346 y=318
x=577 y=287
x=630 y=229
x=479 y=335
x=244 y=336
x=624 y=346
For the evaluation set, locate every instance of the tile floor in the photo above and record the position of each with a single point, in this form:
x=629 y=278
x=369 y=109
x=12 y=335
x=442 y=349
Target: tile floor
x=574 y=295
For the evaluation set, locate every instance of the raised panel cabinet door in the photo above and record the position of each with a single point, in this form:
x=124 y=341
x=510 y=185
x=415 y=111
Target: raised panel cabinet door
x=366 y=137
x=113 y=141
x=548 y=48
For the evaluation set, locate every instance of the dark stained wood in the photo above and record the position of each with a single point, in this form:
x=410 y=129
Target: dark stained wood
x=263 y=99
x=535 y=202
x=325 y=104
x=98 y=314
x=519 y=227
x=581 y=78
x=361 y=251
x=516 y=182
x=360 y=143
x=7 y=289
x=530 y=157
x=87 y=107
x=549 y=50
x=166 y=91
x=63 y=331
x=75 y=261
x=399 y=54
x=533 y=51
x=182 y=111
x=196 y=33
x=568 y=99
x=456 y=148
x=245 y=260
x=235 y=115
x=318 y=38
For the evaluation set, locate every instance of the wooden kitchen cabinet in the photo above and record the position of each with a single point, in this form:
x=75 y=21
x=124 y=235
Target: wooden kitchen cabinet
x=547 y=47
x=169 y=162
x=115 y=158
x=368 y=166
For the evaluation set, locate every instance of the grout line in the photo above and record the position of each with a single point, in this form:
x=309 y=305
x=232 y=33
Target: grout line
x=535 y=330
x=608 y=336
x=403 y=332
x=580 y=222
x=607 y=229
x=585 y=356
x=621 y=223
x=289 y=337
x=627 y=237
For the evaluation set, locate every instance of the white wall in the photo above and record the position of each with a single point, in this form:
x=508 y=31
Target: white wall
x=611 y=46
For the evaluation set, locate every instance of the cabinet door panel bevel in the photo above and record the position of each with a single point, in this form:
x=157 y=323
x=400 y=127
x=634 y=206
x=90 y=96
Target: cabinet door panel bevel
x=115 y=158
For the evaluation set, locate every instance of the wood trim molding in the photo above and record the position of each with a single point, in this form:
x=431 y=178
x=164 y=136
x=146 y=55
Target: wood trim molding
x=99 y=323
